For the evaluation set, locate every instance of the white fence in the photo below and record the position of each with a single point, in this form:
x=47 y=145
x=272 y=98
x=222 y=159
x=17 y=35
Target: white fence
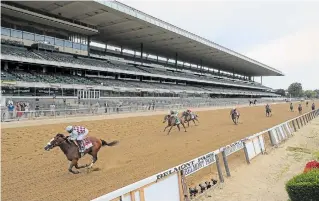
x=71 y=112
x=169 y=185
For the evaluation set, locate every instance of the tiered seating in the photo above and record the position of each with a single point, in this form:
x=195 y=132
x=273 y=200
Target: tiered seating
x=70 y=79
x=8 y=76
x=28 y=77
x=73 y=79
x=18 y=51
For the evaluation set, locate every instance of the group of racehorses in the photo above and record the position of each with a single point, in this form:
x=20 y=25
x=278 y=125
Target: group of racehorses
x=174 y=120
x=71 y=150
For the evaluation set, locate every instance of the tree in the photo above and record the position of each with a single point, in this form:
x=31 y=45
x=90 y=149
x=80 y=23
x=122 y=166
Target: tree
x=310 y=94
x=281 y=92
x=295 y=89
x=317 y=93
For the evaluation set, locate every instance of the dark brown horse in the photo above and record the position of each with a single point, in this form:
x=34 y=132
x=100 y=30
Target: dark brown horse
x=189 y=117
x=71 y=150
x=172 y=121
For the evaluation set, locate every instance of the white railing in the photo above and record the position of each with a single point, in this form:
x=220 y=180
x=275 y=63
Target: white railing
x=69 y=112
x=254 y=145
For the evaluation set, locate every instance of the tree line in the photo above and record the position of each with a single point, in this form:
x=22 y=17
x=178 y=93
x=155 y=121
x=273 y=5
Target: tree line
x=295 y=90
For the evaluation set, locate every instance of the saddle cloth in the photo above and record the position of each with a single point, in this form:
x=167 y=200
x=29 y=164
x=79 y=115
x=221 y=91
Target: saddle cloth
x=86 y=144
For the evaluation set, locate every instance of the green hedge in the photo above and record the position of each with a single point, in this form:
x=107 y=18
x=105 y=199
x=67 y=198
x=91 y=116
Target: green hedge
x=304 y=187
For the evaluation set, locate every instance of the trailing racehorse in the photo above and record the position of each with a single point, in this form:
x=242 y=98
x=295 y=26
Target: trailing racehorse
x=173 y=121
x=291 y=108
x=268 y=112
x=71 y=150
x=235 y=116
x=300 y=109
x=189 y=117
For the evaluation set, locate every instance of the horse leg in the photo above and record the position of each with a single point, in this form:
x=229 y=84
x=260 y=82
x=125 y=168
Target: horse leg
x=194 y=122
x=184 y=127
x=179 y=129
x=73 y=163
x=169 y=130
x=166 y=128
x=94 y=159
x=81 y=166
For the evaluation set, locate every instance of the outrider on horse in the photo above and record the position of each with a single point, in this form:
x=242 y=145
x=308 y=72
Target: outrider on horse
x=173 y=120
x=72 y=152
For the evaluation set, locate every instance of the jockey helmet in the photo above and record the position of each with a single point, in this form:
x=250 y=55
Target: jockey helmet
x=69 y=129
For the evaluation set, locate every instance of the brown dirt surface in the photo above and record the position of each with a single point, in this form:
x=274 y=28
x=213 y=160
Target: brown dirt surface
x=30 y=173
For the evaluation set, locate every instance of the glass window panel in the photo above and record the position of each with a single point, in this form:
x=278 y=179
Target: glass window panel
x=59 y=42
x=84 y=47
x=68 y=43
x=39 y=37
x=49 y=39
x=16 y=33
x=5 y=31
x=28 y=36
x=77 y=46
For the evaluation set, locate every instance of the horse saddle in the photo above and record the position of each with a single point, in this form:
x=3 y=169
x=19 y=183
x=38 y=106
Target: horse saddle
x=86 y=144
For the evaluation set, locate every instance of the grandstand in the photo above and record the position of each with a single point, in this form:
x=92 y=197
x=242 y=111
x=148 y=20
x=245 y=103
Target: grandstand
x=47 y=50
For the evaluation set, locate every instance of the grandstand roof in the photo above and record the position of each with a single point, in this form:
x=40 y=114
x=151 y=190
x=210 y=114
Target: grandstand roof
x=121 y=25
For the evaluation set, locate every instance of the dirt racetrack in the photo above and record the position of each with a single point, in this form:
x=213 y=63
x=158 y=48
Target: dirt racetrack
x=30 y=173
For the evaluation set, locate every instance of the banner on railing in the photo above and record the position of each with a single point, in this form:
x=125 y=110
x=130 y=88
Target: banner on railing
x=192 y=166
x=232 y=148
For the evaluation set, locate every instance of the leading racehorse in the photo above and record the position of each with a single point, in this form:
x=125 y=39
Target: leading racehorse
x=189 y=117
x=173 y=121
x=234 y=116
x=71 y=150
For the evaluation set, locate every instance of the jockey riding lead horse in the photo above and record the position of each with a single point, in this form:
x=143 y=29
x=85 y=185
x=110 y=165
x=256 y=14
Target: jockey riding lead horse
x=74 y=150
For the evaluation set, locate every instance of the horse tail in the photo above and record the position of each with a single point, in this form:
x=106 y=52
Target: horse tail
x=104 y=143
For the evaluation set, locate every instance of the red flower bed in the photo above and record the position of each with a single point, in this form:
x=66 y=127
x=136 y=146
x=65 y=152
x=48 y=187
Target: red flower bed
x=311 y=165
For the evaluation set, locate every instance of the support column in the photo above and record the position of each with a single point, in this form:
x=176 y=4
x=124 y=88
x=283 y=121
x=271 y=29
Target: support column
x=121 y=50
x=261 y=78
x=233 y=73
x=88 y=45
x=201 y=66
x=142 y=53
x=157 y=59
x=176 y=56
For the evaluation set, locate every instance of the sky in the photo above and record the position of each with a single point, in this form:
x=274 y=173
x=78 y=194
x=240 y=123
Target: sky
x=282 y=34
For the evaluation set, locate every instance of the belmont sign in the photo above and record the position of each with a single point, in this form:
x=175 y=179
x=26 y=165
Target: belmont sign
x=234 y=147
x=192 y=166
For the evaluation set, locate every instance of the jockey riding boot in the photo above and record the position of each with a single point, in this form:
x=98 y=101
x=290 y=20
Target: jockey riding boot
x=80 y=146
